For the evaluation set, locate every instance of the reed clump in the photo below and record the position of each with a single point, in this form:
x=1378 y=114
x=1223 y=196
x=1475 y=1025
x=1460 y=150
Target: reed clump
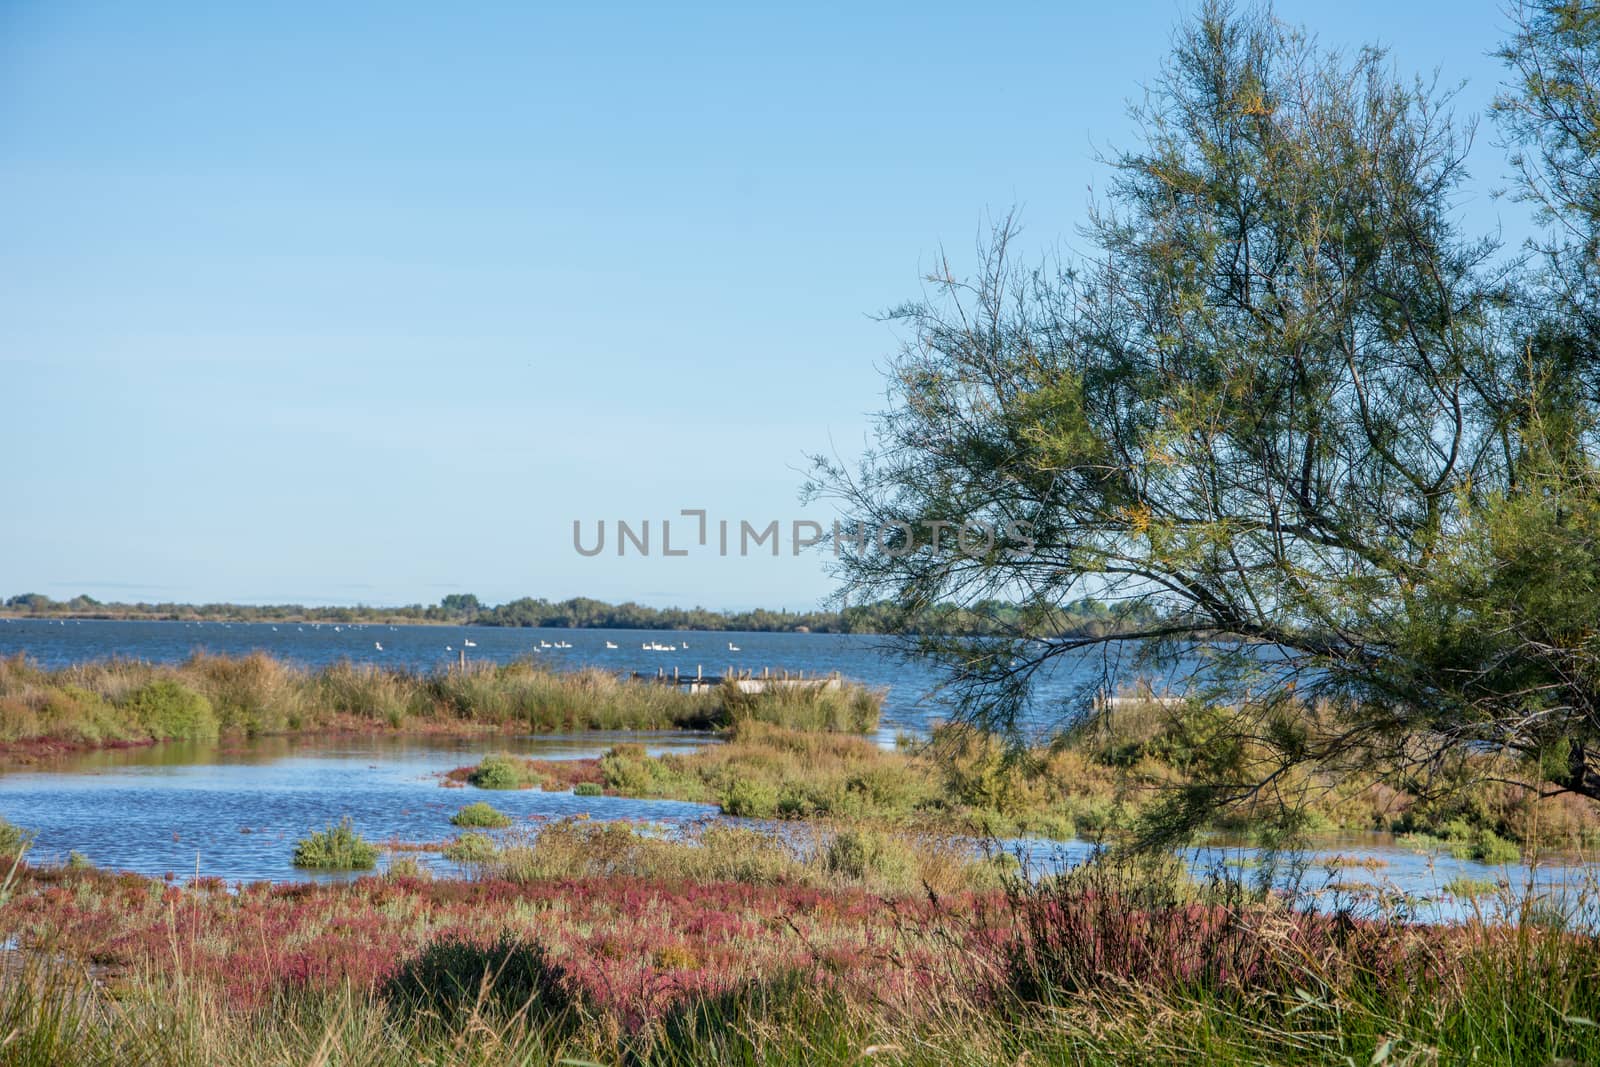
x=480 y=815
x=336 y=848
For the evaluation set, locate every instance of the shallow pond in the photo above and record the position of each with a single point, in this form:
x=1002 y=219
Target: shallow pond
x=234 y=811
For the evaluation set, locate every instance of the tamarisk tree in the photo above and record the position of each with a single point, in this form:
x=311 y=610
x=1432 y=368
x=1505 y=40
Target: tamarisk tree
x=1303 y=426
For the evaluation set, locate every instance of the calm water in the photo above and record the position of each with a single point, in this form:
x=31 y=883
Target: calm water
x=236 y=810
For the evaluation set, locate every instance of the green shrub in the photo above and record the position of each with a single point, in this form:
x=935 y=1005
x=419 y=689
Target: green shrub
x=850 y=709
x=866 y=855
x=471 y=847
x=168 y=710
x=588 y=789
x=1489 y=847
x=452 y=979
x=480 y=813
x=13 y=839
x=797 y=803
x=338 y=848
x=1467 y=888
x=628 y=770
x=633 y=772
x=502 y=772
x=1465 y=842
x=750 y=799
x=406 y=867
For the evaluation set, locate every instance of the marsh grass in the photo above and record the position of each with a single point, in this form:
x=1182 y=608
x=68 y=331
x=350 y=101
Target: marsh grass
x=119 y=700
x=454 y=980
x=1468 y=888
x=1085 y=971
x=847 y=709
x=14 y=840
x=482 y=815
x=471 y=848
x=766 y=771
x=824 y=856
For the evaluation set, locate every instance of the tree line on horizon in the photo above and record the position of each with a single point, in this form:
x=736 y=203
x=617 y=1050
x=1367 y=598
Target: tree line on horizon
x=1084 y=616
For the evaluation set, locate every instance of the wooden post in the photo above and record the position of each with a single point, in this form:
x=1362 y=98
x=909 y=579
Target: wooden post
x=462 y=661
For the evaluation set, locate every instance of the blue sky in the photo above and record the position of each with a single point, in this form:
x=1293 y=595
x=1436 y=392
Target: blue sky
x=368 y=302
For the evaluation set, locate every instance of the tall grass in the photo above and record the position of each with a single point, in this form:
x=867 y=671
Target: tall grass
x=121 y=701
x=1088 y=972
x=766 y=771
x=825 y=856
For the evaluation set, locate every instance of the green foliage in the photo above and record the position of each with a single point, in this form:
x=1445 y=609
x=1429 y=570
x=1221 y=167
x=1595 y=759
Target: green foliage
x=337 y=848
x=406 y=867
x=1286 y=400
x=454 y=980
x=116 y=700
x=805 y=706
x=631 y=771
x=502 y=772
x=863 y=855
x=878 y=860
x=471 y=847
x=480 y=814
x=168 y=710
x=14 y=840
x=1489 y=847
x=750 y=799
x=588 y=789
x=1465 y=888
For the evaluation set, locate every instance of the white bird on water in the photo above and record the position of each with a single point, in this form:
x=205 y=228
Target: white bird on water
x=732 y=647
x=469 y=644
x=611 y=644
x=378 y=645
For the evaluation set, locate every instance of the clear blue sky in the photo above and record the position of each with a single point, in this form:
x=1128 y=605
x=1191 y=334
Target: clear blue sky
x=344 y=303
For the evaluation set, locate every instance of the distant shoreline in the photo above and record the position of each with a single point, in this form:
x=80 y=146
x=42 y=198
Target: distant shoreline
x=1082 y=618
x=384 y=620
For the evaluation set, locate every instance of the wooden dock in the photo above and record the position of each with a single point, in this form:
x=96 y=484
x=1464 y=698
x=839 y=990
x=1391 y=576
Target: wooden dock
x=1105 y=700
x=748 y=681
